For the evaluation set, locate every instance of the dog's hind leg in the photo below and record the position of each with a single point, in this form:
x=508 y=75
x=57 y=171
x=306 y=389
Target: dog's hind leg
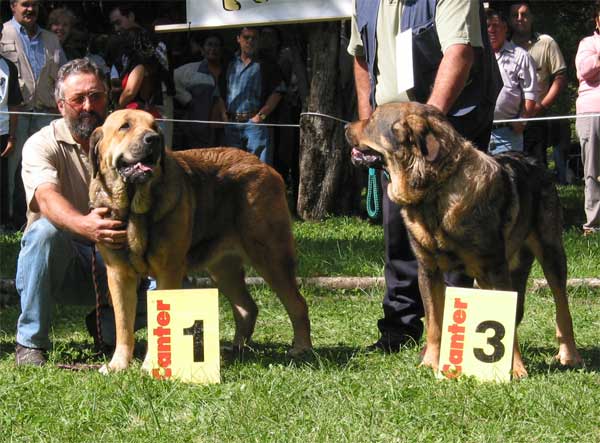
x=282 y=281
x=228 y=274
x=518 y=276
x=550 y=252
x=276 y=263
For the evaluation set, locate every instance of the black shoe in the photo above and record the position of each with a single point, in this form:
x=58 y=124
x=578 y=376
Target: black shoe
x=392 y=345
x=29 y=356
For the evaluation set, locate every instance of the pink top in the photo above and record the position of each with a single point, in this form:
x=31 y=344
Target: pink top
x=587 y=62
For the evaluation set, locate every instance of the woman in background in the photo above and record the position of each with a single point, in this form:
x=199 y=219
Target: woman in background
x=587 y=62
x=62 y=22
x=140 y=74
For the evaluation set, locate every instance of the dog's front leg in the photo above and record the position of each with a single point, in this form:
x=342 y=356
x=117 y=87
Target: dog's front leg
x=122 y=283
x=431 y=285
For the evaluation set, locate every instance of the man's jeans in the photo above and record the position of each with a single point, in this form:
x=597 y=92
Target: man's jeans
x=54 y=267
x=252 y=138
x=505 y=139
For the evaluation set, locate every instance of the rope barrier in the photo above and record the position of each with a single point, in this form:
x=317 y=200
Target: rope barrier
x=317 y=114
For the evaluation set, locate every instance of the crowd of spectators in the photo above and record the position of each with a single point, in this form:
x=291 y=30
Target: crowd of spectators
x=211 y=76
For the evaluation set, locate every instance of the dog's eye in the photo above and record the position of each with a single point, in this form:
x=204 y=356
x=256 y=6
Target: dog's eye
x=124 y=127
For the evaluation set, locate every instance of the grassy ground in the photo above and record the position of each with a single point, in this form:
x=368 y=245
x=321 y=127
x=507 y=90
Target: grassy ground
x=340 y=394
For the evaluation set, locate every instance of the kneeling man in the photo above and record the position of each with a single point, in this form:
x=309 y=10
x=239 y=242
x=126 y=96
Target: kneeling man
x=55 y=261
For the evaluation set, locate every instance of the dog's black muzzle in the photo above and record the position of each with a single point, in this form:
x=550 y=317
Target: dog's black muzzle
x=137 y=165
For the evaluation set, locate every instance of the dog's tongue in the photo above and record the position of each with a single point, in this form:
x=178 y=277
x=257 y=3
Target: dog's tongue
x=140 y=167
x=361 y=156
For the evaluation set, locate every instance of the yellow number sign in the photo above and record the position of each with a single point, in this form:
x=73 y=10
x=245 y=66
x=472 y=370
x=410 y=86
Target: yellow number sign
x=478 y=334
x=183 y=335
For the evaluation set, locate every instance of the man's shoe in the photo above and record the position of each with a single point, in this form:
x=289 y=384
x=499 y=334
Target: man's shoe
x=390 y=346
x=29 y=356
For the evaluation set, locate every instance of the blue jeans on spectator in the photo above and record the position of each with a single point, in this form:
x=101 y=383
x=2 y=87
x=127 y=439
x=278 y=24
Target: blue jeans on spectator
x=505 y=139
x=252 y=138
x=54 y=267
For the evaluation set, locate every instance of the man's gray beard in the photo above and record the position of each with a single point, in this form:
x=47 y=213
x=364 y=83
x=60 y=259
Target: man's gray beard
x=82 y=128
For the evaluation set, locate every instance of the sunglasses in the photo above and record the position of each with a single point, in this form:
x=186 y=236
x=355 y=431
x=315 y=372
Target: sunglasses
x=94 y=97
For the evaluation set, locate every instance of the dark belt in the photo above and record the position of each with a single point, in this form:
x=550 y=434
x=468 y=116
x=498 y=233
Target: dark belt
x=501 y=125
x=240 y=117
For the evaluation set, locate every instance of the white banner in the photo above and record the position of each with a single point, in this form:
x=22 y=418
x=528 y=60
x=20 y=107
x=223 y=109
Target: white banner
x=213 y=14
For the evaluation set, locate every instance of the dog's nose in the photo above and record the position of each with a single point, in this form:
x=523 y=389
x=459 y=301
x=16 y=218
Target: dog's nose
x=151 y=138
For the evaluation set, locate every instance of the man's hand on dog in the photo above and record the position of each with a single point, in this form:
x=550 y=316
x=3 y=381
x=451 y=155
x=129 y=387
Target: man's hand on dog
x=110 y=233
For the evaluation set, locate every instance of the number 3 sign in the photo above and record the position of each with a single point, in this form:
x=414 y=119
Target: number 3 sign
x=183 y=335
x=478 y=334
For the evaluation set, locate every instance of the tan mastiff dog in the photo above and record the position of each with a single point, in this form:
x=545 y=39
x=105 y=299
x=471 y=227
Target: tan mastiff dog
x=212 y=209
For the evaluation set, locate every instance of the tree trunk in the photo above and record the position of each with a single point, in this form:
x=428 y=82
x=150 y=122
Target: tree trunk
x=326 y=174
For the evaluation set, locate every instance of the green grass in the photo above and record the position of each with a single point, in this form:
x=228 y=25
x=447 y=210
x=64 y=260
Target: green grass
x=340 y=394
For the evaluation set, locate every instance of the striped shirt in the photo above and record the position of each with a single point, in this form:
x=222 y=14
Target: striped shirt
x=519 y=77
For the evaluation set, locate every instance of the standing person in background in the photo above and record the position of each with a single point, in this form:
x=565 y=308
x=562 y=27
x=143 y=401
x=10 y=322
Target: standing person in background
x=140 y=74
x=552 y=80
x=37 y=54
x=452 y=69
x=122 y=18
x=62 y=22
x=291 y=61
x=96 y=52
x=198 y=93
x=144 y=69
x=10 y=97
x=254 y=89
x=587 y=62
x=517 y=98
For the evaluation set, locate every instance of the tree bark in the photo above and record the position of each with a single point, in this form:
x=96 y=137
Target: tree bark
x=326 y=174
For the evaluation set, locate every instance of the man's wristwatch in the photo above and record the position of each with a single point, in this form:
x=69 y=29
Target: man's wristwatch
x=262 y=116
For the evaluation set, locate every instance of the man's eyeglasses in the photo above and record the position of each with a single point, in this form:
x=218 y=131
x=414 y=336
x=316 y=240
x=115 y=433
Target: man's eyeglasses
x=250 y=37
x=94 y=97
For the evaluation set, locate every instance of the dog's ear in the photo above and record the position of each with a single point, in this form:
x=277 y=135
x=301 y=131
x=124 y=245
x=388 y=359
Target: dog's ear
x=95 y=140
x=415 y=130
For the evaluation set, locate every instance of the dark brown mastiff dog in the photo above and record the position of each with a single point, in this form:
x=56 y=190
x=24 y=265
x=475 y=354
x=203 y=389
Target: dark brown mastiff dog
x=207 y=208
x=464 y=209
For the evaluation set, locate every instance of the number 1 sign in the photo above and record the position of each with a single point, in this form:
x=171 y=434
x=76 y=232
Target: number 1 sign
x=183 y=335
x=478 y=334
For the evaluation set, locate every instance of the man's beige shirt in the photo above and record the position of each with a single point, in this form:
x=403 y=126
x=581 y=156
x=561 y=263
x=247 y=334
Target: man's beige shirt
x=549 y=61
x=52 y=156
x=456 y=21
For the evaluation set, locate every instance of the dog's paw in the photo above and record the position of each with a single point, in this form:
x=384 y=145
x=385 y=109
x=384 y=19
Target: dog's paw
x=110 y=367
x=430 y=357
x=518 y=367
x=569 y=358
x=147 y=364
x=300 y=352
x=119 y=362
x=519 y=372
